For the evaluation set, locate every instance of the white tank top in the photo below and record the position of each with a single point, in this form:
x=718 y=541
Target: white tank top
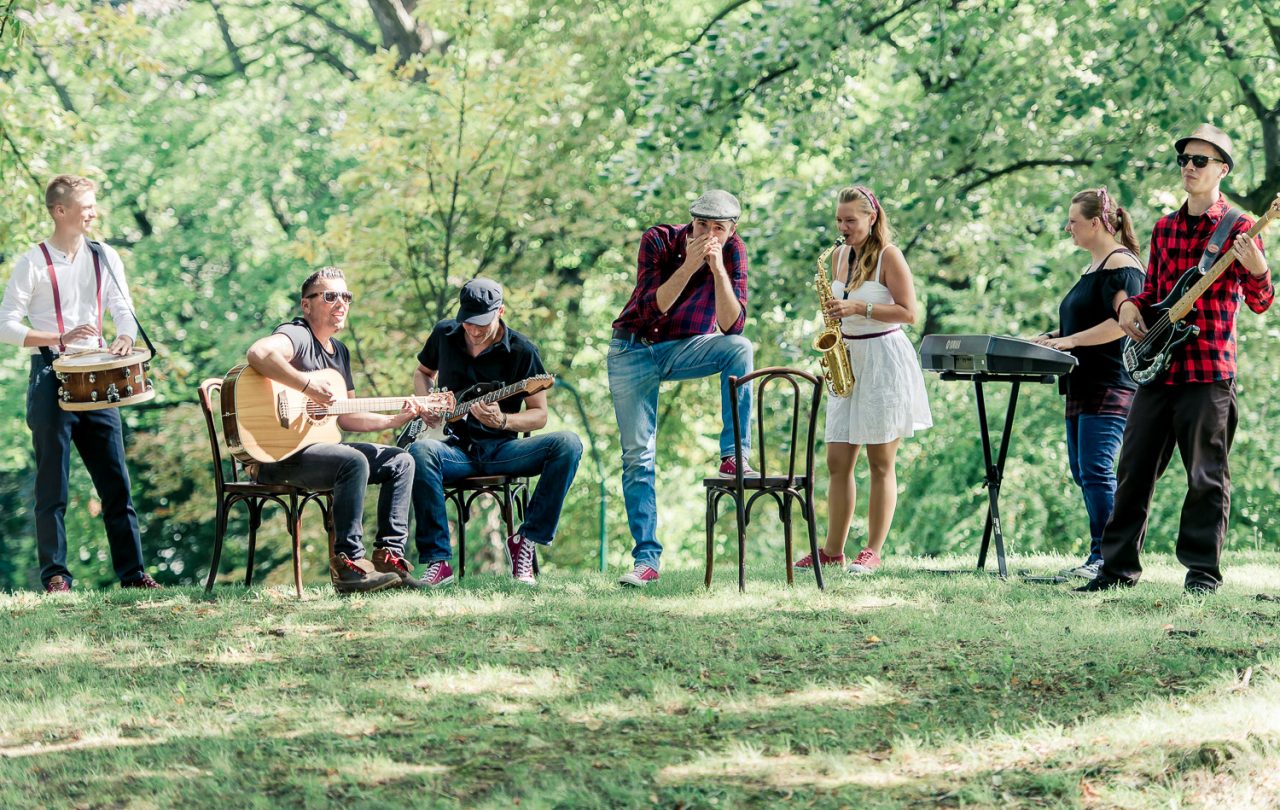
x=871 y=291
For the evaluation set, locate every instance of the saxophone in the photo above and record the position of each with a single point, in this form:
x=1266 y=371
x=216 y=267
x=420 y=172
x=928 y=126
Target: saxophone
x=835 y=359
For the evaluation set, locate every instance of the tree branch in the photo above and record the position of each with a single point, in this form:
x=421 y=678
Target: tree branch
x=17 y=155
x=1251 y=98
x=351 y=36
x=1017 y=166
x=225 y=29
x=724 y=12
x=63 y=96
x=323 y=55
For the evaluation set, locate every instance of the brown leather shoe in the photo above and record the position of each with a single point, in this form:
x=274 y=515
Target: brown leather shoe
x=146 y=582
x=57 y=584
x=358 y=576
x=387 y=561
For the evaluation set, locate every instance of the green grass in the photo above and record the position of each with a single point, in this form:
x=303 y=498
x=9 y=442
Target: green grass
x=904 y=689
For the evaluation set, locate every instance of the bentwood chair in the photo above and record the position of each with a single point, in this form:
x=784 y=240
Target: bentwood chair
x=231 y=489
x=509 y=492
x=794 y=489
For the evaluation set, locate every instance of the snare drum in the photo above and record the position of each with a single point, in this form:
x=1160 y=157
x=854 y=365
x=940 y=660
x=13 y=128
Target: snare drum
x=93 y=380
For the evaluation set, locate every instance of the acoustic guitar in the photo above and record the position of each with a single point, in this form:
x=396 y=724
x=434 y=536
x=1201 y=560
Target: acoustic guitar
x=266 y=421
x=1149 y=358
x=417 y=427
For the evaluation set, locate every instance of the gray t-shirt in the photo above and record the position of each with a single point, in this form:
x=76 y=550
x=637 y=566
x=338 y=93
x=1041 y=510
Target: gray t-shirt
x=309 y=354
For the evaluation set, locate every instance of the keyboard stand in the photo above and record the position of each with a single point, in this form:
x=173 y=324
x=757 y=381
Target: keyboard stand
x=994 y=470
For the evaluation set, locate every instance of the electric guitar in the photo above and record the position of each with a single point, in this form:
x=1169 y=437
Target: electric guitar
x=418 y=427
x=1150 y=357
x=265 y=421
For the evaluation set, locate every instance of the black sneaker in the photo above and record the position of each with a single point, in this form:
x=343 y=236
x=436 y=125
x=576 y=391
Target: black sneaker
x=1102 y=582
x=358 y=576
x=1200 y=588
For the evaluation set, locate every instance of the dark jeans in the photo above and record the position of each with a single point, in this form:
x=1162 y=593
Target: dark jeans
x=1093 y=441
x=348 y=468
x=553 y=456
x=100 y=442
x=1199 y=419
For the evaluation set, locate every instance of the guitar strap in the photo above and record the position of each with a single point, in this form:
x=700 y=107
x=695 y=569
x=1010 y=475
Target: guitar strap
x=99 y=256
x=1218 y=239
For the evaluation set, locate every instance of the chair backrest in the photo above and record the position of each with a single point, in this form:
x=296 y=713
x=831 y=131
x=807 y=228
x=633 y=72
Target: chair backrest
x=796 y=383
x=210 y=392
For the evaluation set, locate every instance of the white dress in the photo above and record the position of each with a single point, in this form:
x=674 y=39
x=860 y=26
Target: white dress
x=888 y=400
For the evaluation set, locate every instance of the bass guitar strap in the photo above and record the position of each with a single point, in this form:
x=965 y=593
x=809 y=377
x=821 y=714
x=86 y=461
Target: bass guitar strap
x=1218 y=239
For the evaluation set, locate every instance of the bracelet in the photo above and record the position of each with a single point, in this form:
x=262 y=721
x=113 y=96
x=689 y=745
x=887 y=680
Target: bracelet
x=869 y=308
x=503 y=426
x=308 y=385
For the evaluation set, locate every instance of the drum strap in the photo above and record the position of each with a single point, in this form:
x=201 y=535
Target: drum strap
x=57 y=299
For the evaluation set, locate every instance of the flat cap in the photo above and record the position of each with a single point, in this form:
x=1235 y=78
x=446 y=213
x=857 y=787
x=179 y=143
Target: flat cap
x=1214 y=137
x=716 y=204
x=479 y=301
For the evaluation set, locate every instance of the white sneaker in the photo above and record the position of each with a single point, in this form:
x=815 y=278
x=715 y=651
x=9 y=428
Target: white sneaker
x=1085 y=571
x=639 y=576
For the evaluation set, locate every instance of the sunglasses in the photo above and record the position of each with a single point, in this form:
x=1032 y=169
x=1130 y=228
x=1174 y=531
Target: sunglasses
x=1200 y=161
x=332 y=296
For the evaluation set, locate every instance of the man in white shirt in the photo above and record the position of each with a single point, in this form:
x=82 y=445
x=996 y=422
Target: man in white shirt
x=60 y=287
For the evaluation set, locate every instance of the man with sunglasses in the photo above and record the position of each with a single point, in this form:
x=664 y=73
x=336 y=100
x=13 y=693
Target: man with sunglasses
x=309 y=344
x=1192 y=407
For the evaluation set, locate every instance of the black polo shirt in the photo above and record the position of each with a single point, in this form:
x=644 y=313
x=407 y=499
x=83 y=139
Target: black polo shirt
x=510 y=360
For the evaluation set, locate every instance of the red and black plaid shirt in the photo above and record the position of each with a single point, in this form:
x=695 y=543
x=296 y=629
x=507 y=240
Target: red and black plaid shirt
x=662 y=251
x=1177 y=243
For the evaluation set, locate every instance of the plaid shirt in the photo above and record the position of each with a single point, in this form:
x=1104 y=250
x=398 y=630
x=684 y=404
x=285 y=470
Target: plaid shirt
x=1177 y=243
x=662 y=251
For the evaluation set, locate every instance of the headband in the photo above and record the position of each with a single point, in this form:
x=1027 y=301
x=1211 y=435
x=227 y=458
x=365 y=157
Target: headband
x=871 y=197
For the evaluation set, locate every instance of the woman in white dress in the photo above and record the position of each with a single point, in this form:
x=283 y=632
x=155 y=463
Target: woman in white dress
x=873 y=295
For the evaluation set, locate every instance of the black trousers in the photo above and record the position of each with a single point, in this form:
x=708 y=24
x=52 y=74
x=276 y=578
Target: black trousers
x=1199 y=419
x=98 y=438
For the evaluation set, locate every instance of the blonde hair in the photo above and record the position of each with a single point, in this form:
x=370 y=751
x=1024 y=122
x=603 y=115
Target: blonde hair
x=64 y=187
x=880 y=237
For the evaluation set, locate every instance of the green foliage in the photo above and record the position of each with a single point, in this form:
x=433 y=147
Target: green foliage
x=239 y=144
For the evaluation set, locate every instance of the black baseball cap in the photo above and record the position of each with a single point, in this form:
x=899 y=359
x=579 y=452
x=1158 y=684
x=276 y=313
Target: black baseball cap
x=479 y=301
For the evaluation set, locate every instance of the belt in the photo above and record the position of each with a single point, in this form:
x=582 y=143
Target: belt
x=623 y=334
x=872 y=335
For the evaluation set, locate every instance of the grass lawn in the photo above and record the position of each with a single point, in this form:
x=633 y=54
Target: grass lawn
x=906 y=689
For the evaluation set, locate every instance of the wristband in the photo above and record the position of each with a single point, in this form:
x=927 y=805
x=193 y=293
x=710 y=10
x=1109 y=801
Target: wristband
x=503 y=426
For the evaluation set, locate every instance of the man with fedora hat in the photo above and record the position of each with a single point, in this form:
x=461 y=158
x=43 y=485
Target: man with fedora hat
x=1192 y=406
x=683 y=321
x=476 y=350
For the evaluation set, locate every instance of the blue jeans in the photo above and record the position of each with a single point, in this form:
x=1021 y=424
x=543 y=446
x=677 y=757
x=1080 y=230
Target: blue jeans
x=635 y=372
x=553 y=457
x=98 y=437
x=1093 y=441
x=349 y=468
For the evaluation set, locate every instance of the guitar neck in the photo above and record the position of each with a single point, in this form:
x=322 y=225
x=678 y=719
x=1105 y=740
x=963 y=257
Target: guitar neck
x=492 y=396
x=1184 y=304
x=373 y=404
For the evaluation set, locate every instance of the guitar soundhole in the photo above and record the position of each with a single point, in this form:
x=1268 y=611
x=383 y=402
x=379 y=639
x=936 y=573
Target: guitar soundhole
x=315 y=412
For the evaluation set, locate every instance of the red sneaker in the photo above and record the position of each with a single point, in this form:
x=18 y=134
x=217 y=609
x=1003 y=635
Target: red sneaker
x=57 y=584
x=520 y=555
x=438 y=575
x=639 y=576
x=866 y=562
x=729 y=468
x=823 y=557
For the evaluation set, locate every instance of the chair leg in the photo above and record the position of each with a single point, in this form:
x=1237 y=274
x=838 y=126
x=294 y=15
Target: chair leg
x=255 y=520
x=742 y=542
x=786 y=534
x=463 y=514
x=295 y=534
x=219 y=533
x=813 y=542
x=710 y=522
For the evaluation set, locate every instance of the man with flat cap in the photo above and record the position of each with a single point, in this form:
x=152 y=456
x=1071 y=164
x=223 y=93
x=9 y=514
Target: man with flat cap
x=474 y=353
x=1192 y=405
x=683 y=321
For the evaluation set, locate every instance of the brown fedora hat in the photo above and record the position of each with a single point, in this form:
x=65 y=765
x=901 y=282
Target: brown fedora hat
x=1214 y=137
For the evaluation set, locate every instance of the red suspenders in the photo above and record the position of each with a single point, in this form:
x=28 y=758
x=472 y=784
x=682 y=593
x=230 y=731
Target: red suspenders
x=57 y=299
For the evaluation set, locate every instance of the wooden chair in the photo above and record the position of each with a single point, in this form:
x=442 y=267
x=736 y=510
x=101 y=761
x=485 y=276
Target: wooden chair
x=255 y=496
x=511 y=493
x=793 y=489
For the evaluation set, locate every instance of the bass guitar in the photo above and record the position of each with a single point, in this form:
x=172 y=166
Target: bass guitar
x=265 y=421
x=418 y=427
x=1147 y=359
